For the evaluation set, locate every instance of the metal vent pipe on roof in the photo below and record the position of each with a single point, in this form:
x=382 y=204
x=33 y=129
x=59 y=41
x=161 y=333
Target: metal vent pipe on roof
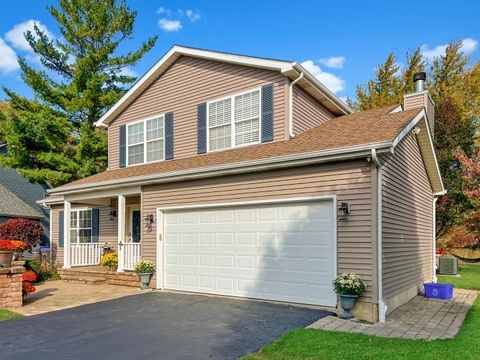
x=419 y=80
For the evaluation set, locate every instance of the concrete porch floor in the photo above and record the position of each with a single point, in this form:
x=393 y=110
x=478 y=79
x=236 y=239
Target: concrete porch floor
x=420 y=318
x=59 y=294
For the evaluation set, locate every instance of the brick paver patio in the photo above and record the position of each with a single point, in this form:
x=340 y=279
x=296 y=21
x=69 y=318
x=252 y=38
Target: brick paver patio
x=420 y=318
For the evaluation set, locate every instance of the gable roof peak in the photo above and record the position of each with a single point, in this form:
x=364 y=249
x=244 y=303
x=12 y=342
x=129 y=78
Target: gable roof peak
x=288 y=68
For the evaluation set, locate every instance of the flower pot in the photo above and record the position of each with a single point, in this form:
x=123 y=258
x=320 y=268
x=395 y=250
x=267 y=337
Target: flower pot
x=6 y=258
x=145 y=280
x=347 y=302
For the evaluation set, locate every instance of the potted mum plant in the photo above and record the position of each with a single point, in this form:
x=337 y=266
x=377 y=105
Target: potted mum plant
x=110 y=259
x=349 y=286
x=145 y=269
x=6 y=253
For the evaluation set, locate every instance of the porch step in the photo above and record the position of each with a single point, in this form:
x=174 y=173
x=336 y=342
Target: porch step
x=89 y=280
x=99 y=276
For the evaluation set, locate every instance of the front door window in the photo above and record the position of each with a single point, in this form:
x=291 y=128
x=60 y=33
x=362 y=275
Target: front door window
x=136 y=219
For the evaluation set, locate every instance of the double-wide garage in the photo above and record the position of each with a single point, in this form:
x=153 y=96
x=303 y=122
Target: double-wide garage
x=284 y=251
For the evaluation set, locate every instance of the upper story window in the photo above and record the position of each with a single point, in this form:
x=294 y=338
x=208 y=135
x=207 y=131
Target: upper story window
x=145 y=141
x=234 y=121
x=81 y=226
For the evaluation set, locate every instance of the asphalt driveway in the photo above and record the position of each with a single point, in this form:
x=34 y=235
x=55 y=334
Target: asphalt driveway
x=152 y=326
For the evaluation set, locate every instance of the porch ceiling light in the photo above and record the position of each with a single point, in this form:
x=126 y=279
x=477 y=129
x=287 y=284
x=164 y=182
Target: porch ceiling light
x=343 y=211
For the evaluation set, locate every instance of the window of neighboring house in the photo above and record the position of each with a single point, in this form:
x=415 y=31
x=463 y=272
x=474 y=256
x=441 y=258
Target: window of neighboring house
x=145 y=141
x=81 y=226
x=234 y=125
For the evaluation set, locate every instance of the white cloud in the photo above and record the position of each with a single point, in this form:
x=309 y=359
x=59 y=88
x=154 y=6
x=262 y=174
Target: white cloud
x=333 y=82
x=162 y=10
x=8 y=59
x=126 y=71
x=193 y=15
x=335 y=62
x=170 y=25
x=469 y=45
x=16 y=36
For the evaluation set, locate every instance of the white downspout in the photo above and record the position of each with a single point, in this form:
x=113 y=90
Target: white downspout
x=290 y=105
x=434 y=264
x=382 y=308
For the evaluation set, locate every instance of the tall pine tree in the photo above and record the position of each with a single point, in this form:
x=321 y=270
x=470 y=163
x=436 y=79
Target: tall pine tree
x=82 y=75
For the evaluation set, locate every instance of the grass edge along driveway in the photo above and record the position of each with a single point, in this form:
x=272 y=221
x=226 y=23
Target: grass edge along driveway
x=8 y=315
x=322 y=344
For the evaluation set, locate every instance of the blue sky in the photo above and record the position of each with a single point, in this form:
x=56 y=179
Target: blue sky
x=340 y=42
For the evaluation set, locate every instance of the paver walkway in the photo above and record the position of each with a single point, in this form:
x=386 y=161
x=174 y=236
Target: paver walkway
x=58 y=295
x=420 y=318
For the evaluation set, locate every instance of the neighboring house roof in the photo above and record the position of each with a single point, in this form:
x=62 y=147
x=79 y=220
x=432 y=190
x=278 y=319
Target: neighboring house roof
x=22 y=189
x=12 y=206
x=347 y=136
x=287 y=68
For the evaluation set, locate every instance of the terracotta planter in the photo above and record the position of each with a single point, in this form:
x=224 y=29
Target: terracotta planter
x=6 y=258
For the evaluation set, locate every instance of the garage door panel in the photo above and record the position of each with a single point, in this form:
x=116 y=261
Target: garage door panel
x=278 y=252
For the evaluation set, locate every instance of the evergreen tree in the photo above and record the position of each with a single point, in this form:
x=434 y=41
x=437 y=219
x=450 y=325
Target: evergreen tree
x=390 y=83
x=82 y=76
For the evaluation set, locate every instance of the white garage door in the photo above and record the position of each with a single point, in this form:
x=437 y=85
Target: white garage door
x=279 y=252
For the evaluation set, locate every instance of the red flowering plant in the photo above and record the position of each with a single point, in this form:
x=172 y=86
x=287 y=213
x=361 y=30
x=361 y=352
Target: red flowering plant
x=28 y=278
x=6 y=245
x=29 y=231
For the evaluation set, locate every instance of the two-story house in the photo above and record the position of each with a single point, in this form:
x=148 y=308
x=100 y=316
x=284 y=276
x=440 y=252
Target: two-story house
x=245 y=176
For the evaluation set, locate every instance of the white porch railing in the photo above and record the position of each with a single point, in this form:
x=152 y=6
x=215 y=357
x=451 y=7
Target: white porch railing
x=85 y=254
x=132 y=255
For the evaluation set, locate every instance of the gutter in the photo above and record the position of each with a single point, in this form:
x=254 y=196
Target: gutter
x=228 y=169
x=290 y=105
x=382 y=307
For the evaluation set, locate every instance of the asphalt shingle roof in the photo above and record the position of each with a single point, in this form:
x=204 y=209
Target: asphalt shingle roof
x=355 y=129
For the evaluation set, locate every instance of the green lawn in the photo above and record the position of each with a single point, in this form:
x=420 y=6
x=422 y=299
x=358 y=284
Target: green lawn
x=321 y=344
x=7 y=315
x=469 y=279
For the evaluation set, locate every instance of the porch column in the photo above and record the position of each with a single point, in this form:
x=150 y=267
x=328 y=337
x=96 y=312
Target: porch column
x=66 y=234
x=121 y=232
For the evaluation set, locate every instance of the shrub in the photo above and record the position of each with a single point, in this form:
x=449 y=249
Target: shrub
x=145 y=267
x=29 y=276
x=30 y=231
x=43 y=270
x=28 y=288
x=111 y=260
x=349 y=284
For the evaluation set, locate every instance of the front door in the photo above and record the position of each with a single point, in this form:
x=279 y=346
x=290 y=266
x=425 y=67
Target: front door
x=134 y=233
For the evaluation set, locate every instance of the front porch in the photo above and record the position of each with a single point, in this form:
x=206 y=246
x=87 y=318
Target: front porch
x=92 y=224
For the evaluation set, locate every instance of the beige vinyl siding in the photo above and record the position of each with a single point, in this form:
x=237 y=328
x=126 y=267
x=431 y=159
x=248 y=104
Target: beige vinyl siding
x=350 y=181
x=57 y=250
x=407 y=219
x=307 y=112
x=187 y=83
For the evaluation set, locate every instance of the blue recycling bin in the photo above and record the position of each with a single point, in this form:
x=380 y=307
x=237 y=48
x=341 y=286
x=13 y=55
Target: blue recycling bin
x=438 y=291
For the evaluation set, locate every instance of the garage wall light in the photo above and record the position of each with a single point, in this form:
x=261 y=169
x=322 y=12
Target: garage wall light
x=149 y=220
x=343 y=211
